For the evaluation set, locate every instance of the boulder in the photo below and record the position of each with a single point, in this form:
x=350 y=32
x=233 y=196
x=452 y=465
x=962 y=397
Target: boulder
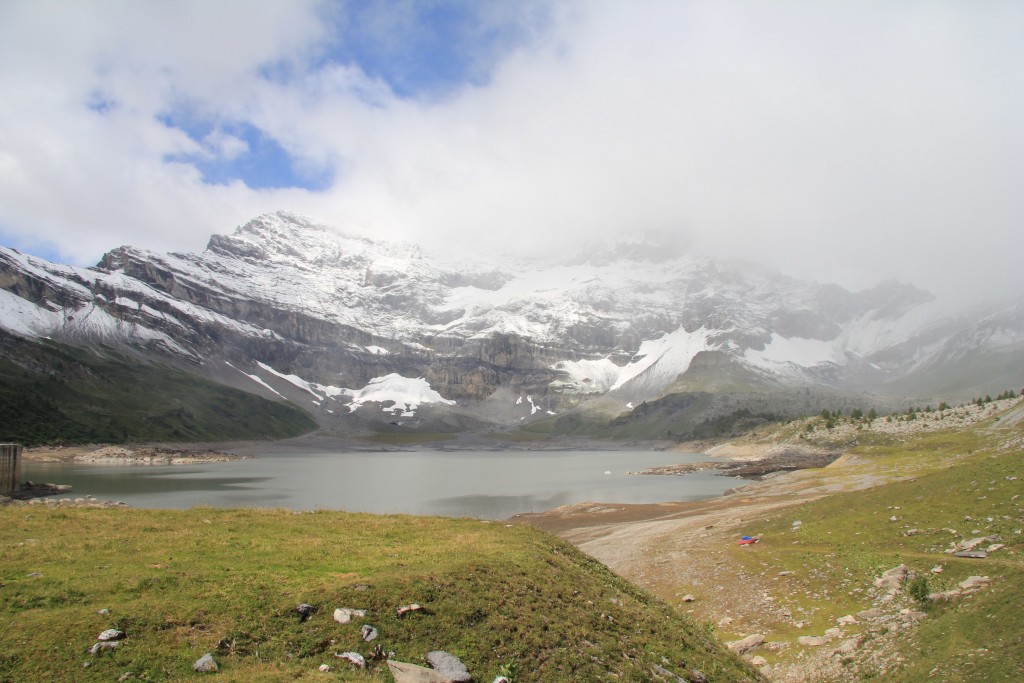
x=368 y=632
x=974 y=583
x=353 y=658
x=744 y=645
x=449 y=666
x=111 y=634
x=344 y=615
x=411 y=673
x=205 y=664
x=406 y=609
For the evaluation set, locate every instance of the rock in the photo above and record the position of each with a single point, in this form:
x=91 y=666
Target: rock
x=785 y=573
x=103 y=612
x=938 y=569
x=847 y=620
x=994 y=547
x=870 y=613
x=353 y=658
x=944 y=596
x=744 y=645
x=449 y=665
x=758 y=661
x=111 y=634
x=324 y=668
x=688 y=598
x=724 y=621
x=501 y=679
x=102 y=646
x=305 y=611
x=974 y=583
x=811 y=641
x=205 y=664
x=696 y=676
x=664 y=674
x=971 y=544
x=849 y=646
x=892 y=579
x=410 y=673
x=344 y=615
x=972 y=554
x=368 y=632
x=406 y=609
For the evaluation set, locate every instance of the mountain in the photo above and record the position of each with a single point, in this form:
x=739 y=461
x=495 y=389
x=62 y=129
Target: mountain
x=364 y=332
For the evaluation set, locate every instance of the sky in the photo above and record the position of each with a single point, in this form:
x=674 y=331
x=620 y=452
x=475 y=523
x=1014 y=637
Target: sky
x=841 y=141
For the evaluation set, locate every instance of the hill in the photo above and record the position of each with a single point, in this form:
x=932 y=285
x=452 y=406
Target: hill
x=505 y=599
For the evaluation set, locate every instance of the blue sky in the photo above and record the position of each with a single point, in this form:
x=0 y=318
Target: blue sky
x=828 y=140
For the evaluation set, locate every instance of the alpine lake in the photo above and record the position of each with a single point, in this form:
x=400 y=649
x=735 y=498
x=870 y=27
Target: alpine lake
x=481 y=484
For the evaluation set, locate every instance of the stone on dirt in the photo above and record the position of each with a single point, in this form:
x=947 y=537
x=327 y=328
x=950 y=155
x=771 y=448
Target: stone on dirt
x=205 y=664
x=449 y=666
x=744 y=645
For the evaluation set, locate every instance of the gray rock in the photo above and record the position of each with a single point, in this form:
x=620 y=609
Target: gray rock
x=205 y=664
x=449 y=665
x=305 y=611
x=744 y=645
x=369 y=632
x=664 y=674
x=411 y=673
x=102 y=646
x=758 y=661
x=344 y=615
x=974 y=583
x=972 y=554
x=353 y=658
x=696 y=676
x=874 y=613
x=111 y=634
x=406 y=609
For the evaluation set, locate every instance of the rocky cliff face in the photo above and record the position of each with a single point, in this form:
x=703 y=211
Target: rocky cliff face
x=283 y=297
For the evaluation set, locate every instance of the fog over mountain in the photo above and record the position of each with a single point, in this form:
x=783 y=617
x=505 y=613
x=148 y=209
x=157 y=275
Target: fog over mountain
x=846 y=142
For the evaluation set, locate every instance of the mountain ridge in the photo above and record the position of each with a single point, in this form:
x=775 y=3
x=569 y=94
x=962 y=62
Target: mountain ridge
x=284 y=295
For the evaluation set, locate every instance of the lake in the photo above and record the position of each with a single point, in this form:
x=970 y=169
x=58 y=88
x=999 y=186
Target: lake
x=481 y=484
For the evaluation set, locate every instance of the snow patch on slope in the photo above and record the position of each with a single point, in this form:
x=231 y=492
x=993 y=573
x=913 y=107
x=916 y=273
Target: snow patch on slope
x=797 y=350
x=658 y=362
x=257 y=379
x=403 y=393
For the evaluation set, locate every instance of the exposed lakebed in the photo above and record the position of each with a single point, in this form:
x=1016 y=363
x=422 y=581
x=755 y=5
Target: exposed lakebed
x=483 y=484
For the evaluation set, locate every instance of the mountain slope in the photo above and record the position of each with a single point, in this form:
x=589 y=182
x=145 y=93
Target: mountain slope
x=284 y=297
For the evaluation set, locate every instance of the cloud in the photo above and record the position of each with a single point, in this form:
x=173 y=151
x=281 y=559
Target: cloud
x=844 y=141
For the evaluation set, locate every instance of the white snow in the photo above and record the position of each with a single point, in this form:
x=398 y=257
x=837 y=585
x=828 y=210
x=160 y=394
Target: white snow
x=797 y=350
x=587 y=376
x=403 y=393
x=659 y=361
x=377 y=350
x=255 y=378
x=293 y=379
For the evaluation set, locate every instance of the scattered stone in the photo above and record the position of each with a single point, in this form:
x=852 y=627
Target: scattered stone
x=815 y=641
x=724 y=621
x=102 y=646
x=111 y=634
x=688 y=598
x=758 y=661
x=912 y=532
x=972 y=543
x=912 y=616
x=745 y=645
x=974 y=583
x=664 y=674
x=847 y=620
x=870 y=613
x=360 y=587
x=890 y=582
x=972 y=554
x=353 y=658
x=849 y=646
x=449 y=665
x=305 y=611
x=944 y=596
x=324 y=668
x=697 y=676
x=994 y=547
x=344 y=615
x=369 y=632
x=938 y=569
x=411 y=673
x=785 y=573
x=104 y=612
x=205 y=664
x=405 y=609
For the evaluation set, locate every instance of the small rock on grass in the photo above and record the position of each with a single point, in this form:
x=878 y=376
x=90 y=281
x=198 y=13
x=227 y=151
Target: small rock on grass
x=369 y=632
x=205 y=664
x=449 y=666
x=353 y=658
x=111 y=634
x=411 y=673
x=102 y=646
x=344 y=615
x=305 y=611
x=744 y=645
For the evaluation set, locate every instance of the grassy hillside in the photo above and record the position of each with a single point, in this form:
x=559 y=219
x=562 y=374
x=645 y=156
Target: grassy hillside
x=504 y=599
x=53 y=392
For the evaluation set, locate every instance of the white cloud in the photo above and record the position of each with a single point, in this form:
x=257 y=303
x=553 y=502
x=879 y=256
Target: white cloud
x=846 y=141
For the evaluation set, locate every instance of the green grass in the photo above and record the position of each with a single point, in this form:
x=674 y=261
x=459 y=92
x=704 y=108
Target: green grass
x=958 y=481
x=57 y=393
x=183 y=583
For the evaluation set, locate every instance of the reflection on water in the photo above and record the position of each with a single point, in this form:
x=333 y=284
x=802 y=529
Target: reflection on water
x=484 y=484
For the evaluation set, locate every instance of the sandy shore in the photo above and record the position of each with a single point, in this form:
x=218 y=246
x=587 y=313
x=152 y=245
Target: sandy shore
x=97 y=454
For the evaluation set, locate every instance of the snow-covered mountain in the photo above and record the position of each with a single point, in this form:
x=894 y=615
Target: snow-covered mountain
x=289 y=307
